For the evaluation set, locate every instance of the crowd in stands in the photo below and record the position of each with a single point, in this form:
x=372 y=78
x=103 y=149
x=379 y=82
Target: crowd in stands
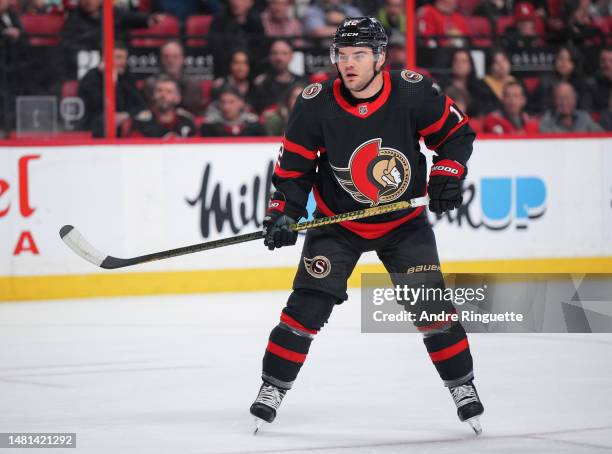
x=252 y=87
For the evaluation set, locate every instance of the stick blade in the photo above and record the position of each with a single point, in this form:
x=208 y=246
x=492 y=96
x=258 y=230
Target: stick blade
x=80 y=246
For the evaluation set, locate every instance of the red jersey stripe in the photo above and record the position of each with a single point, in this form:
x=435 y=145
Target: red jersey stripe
x=437 y=125
x=298 y=149
x=287 y=173
x=371 y=106
x=284 y=353
x=449 y=352
x=367 y=231
x=457 y=126
x=295 y=324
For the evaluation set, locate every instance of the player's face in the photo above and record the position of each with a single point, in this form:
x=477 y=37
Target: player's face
x=356 y=66
x=166 y=96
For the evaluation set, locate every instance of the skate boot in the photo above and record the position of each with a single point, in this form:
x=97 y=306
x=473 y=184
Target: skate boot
x=469 y=407
x=267 y=402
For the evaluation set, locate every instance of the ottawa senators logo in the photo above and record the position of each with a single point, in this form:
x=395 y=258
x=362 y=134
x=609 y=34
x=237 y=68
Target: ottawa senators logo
x=375 y=175
x=411 y=76
x=318 y=266
x=311 y=91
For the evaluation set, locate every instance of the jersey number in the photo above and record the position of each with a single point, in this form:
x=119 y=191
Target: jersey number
x=456 y=112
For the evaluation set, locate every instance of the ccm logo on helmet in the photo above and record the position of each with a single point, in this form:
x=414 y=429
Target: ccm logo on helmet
x=445 y=169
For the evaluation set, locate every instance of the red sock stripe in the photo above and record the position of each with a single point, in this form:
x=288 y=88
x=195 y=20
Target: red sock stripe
x=284 y=353
x=295 y=324
x=449 y=352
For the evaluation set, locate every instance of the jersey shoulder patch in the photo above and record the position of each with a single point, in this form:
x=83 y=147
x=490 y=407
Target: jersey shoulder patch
x=411 y=76
x=312 y=90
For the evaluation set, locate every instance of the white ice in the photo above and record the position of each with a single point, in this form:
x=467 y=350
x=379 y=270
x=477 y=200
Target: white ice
x=176 y=374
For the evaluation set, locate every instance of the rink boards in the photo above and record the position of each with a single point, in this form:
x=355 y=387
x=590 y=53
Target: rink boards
x=531 y=205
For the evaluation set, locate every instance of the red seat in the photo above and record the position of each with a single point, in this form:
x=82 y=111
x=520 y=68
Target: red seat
x=554 y=7
x=157 y=35
x=197 y=26
x=70 y=88
x=467 y=7
x=531 y=83
x=206 y=89
x=43 y=24
x=480 y=31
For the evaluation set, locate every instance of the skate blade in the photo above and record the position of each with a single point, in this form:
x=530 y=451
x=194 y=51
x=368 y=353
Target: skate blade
x=258 y=424
x=475 y=424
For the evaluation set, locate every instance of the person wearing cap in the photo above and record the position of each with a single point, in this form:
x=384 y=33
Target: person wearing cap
x=524 y=33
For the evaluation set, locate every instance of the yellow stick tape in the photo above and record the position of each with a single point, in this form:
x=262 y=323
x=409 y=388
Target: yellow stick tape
x=25 y=288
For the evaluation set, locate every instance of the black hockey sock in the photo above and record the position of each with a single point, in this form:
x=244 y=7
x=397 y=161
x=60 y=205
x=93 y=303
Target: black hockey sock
x=450 y=353
x=286 y=351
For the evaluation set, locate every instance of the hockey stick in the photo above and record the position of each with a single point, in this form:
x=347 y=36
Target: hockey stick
x=83 y=248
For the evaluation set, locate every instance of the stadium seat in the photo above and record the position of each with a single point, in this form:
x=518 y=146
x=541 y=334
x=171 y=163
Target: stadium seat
x=156 y=36
x=480 y=31
x=47 y=25
x=70 y=88
x=554 y=7
x=197 y=26
x=206 y=88
x=467 y=7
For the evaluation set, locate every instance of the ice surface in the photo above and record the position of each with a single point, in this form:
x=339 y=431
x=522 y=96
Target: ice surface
x=176 y=374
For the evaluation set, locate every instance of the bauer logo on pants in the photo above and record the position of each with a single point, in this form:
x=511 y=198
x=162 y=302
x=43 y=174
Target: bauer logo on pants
x=318 y=266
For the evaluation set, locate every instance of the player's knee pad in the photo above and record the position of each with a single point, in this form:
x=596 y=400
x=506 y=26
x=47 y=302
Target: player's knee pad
x=310 y=308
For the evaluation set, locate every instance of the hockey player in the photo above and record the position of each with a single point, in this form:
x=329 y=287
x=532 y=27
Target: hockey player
x=354 y=141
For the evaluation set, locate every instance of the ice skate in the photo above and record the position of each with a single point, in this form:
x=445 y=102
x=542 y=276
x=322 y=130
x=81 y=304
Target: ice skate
x=469 y=407
x=265 y=406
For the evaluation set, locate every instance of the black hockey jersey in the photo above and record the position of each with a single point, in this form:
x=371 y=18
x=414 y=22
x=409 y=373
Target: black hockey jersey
x=358 y=156
x=147 y=124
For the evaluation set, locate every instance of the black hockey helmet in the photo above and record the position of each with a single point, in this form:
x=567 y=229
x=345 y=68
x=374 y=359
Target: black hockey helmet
x=359 y=32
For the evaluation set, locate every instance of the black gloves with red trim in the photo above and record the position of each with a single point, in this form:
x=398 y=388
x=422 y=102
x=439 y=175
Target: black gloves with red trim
x=276 y=224
x=445 y=186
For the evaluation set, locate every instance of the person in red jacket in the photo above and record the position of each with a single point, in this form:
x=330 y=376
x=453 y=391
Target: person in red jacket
x=442 y=24
x=511 y=119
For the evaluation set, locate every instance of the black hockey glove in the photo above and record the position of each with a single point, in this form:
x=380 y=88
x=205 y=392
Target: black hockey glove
x=276 y=224
x=445 y=184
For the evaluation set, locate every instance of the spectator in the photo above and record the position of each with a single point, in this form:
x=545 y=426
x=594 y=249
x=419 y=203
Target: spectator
x=392 y=16
x=238 y=76
x=568 y=68
x=275 y=121
x=565 y=118
x=271 y=85
x=493 y=10
x=579 y=29
x=172 y=63
x=512 y=118
x=235 y=120
x=278 y=21
x=490 y=89
x=396 y=52
x=606 y=116
x=83 y=30
x=239 y=21
x=523 y=34
x=442 y=24
x=164 y=119
x=600 y=86
x=463 y=78
x=323 y=17
x=127 y=97
x=42 y=6
x=185 y=8
x=14 y=51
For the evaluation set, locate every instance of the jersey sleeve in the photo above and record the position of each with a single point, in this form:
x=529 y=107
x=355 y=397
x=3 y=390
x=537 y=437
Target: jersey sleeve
x=296 y=167
x=443 y=126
